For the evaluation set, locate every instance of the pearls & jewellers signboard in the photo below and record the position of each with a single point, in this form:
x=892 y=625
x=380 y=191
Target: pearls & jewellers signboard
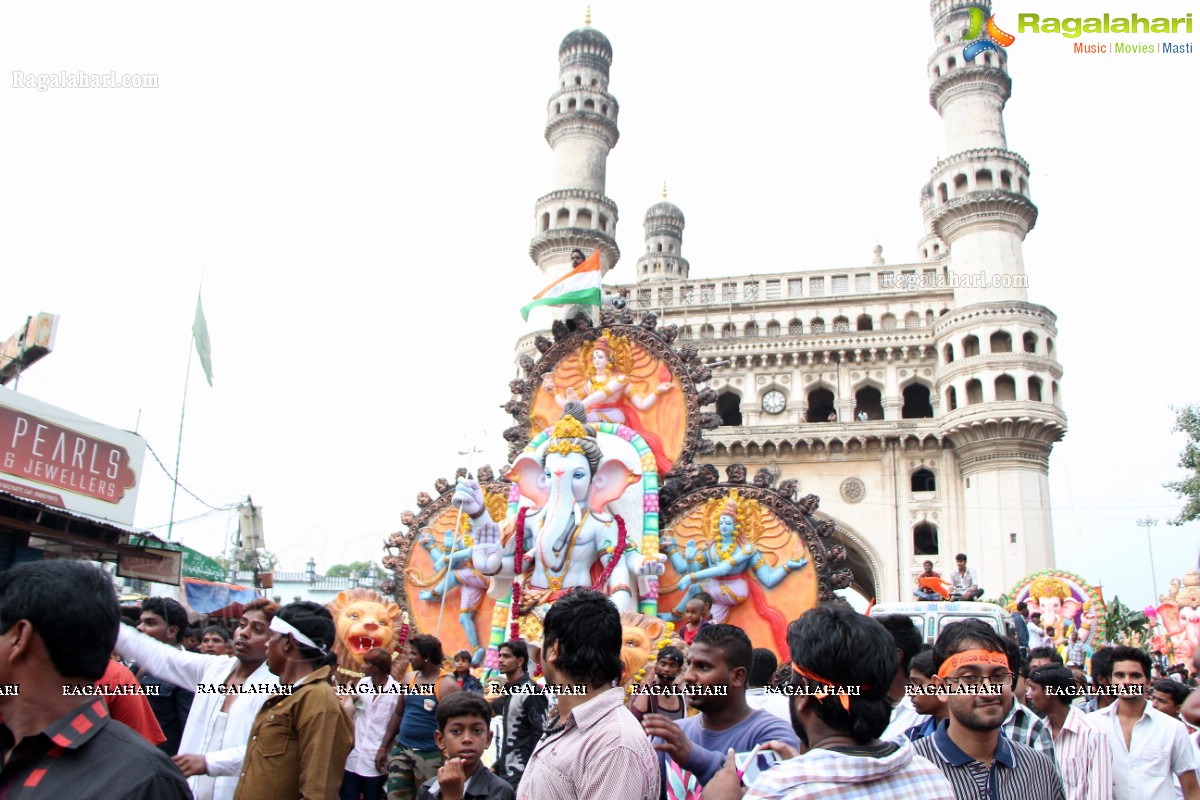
x=61 y=459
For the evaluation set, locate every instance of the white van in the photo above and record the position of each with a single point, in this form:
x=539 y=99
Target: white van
x=932 y=617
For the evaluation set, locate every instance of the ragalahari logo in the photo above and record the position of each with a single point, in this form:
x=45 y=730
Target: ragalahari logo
x=992 y=37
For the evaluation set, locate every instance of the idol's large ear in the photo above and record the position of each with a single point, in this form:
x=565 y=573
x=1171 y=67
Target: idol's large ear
x=530 y=477
x=610 y=482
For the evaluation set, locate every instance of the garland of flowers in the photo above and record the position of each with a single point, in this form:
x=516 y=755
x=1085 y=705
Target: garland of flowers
x=518 y=563
x=663 y=641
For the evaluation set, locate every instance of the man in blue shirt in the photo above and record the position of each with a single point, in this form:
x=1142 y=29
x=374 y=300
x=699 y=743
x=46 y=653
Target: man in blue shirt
x=715 y=679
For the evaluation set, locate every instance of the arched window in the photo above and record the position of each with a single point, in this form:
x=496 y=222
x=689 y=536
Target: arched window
x=929 y=318
x=578 y=81
x=1001 y=342
x=1006 y=389
x=817 y=325
x=795 y=328
x=820 y=405
x=912 y=320
x=951 y=399
x=960 y=183
x=970 y=346
x=686 y=333
x=571 y=104
x=1054 y=394
x=841 y=325
x=1035 y=389
x=923 y=481
x=869 y=401
x=916 y=402
x=1006 y=180
x=1030 y=341
x=863 y=323
x=729 y=406
x=983 y=179
x=948 y=354
x=943 y=194
x=546 y=221
x=589 y=105
x=888 y=322
x=752 y=329
x=562 y=219
x=925 y=539
x=706 y=331
x=658 y=247
x=583 y=218
x=974 y=392
x=604 y=109
x=773 y=328
x=728 y=330
x=1049 y=346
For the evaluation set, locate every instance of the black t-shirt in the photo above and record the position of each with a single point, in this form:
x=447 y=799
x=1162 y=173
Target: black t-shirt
x=523 y=717
x=87 y=755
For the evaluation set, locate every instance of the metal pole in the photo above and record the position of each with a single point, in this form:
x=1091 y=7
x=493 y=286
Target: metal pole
x=179 y=444
x=1148 y=523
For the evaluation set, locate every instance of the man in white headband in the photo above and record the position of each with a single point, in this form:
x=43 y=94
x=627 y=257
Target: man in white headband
x=300 y=739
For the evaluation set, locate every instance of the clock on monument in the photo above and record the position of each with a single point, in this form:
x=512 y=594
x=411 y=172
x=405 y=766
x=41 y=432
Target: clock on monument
x=773 y=401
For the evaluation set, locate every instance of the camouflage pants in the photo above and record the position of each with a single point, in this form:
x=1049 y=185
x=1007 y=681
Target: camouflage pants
x=408 y=769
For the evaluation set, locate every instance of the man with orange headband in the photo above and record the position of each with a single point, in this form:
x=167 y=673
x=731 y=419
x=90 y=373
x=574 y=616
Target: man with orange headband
x=842 y=664
x=976 y=673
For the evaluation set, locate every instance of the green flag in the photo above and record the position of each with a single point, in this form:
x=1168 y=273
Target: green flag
x=203 y=345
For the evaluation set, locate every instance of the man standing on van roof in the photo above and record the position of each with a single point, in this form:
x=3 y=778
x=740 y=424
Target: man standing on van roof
x=964 y=583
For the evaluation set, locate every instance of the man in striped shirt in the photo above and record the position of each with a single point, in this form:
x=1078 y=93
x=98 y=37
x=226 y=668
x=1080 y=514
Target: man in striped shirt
x=976 y=674
x=592 y=746
x=1080 y=748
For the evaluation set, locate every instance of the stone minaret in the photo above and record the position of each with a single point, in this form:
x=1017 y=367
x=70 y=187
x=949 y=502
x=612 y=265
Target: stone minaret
x=581 y=129
x=664 y=240
x=998 y=376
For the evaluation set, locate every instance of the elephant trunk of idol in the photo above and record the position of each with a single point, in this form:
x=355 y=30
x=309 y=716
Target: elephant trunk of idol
x=559 y=517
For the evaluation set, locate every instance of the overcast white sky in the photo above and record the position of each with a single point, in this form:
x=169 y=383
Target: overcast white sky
x=356 y=185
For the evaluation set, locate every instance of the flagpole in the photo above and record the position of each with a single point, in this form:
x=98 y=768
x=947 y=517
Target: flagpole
x=179 y=443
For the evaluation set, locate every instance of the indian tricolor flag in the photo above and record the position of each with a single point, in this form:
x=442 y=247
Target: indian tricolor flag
x=579 y=287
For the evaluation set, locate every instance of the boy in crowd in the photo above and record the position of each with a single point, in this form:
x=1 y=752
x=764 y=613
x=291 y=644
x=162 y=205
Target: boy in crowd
x=216 y=641
x=924 y=699
x=695 y=615
x=462 y=673
x=463 y=733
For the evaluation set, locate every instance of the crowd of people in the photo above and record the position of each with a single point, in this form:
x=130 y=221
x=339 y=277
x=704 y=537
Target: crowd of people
x=862 y=708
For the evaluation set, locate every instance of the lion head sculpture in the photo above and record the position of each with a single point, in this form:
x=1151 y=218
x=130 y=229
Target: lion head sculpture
x=364 y=620
x=640 y=636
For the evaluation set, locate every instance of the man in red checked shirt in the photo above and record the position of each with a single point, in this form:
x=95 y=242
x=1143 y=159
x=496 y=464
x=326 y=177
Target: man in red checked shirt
x=57 y=739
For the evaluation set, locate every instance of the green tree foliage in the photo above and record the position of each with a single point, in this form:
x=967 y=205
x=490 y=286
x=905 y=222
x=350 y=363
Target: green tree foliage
x=1187 y=422
x=1123 y=619
x=344 y=570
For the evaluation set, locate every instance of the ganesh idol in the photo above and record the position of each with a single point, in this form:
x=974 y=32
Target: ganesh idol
x=726 y=565
x=573 y=533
